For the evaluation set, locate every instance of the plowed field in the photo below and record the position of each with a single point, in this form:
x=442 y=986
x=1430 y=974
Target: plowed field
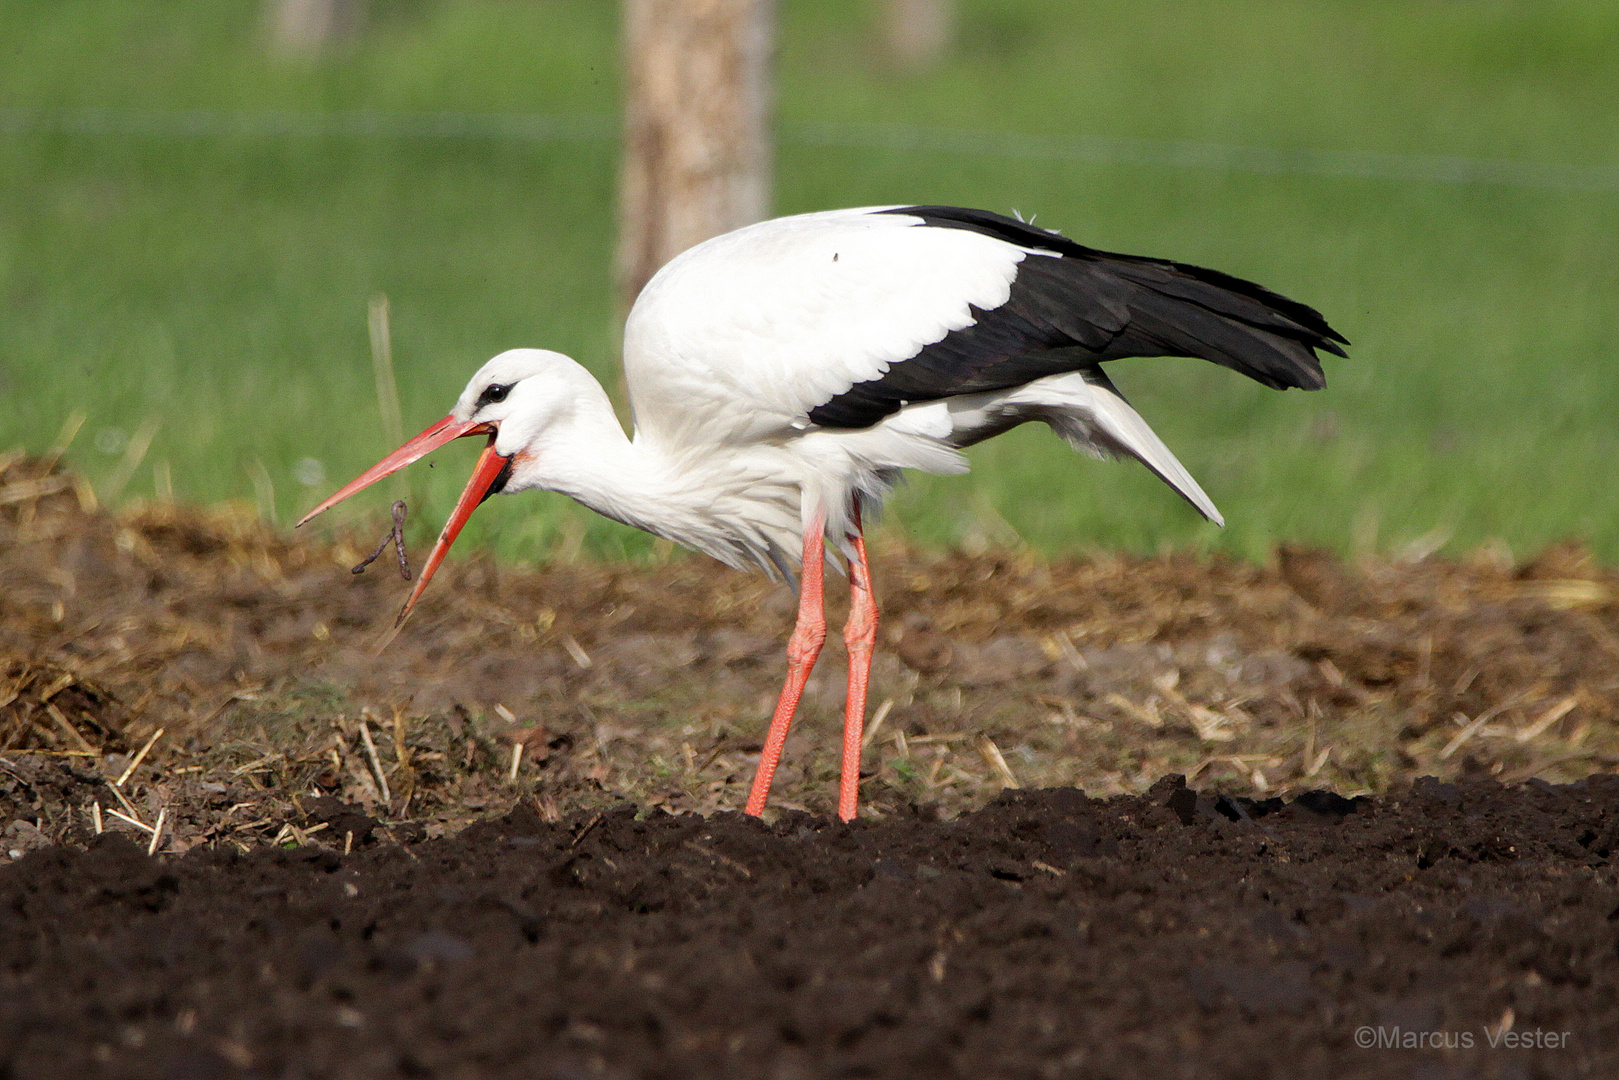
x=240 y=839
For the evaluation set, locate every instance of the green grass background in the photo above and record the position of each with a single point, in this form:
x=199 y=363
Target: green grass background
x=217 y=283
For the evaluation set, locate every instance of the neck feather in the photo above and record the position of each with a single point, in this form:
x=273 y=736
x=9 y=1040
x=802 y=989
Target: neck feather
x=714 y=502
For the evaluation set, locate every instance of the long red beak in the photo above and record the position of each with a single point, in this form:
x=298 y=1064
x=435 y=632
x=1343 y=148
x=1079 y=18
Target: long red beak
x=490 y=469
x=446 y=430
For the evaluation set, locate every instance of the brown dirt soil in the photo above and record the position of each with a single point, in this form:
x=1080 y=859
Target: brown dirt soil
x=306 y=897
x=1048 y=935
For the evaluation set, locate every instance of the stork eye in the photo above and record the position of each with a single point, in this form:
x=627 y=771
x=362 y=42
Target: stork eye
x=493 y=394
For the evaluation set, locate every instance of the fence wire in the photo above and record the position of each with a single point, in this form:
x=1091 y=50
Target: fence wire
x=1088 y=149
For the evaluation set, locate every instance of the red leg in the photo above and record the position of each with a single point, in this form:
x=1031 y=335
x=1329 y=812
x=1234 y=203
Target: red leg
x=860 y=635
x=802 y=649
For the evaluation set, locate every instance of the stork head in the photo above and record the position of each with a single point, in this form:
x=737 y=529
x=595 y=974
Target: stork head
x=510 y=401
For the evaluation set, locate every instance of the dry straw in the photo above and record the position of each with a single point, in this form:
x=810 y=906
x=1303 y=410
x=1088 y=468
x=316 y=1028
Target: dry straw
x=376 y=763
x=382 y=366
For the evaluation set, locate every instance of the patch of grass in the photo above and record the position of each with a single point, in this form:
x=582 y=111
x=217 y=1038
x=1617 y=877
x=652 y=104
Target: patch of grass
x=217 y=284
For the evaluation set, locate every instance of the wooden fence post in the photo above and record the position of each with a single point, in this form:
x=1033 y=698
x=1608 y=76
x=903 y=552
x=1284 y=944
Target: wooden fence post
x=917 y=32
x=697 y=159
x=306 y=27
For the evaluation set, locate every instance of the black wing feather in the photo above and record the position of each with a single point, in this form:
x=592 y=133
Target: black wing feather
x=1087 y=307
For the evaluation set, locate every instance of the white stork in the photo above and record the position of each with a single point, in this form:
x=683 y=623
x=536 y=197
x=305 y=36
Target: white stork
x=782 y=375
